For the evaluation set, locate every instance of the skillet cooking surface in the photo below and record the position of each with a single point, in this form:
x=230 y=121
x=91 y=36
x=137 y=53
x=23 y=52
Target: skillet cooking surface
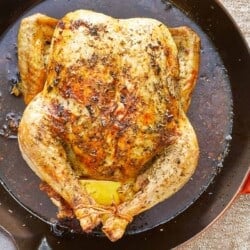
x=210 y=112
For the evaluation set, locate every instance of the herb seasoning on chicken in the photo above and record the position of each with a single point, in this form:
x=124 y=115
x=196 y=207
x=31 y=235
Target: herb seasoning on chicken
x=105 y=126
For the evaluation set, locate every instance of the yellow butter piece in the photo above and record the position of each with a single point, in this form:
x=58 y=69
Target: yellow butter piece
x=103 y=192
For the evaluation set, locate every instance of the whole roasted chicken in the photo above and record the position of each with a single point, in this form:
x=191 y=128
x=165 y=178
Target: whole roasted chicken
x=105 y=126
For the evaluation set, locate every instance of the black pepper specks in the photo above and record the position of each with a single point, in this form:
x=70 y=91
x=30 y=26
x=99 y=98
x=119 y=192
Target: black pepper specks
x=90 y=110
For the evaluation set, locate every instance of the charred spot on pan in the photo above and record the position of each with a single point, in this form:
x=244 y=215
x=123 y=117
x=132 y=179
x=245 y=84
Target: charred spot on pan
x=10 y=128
x=14 y=79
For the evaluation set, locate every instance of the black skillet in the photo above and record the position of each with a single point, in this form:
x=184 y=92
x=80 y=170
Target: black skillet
x=220 y=100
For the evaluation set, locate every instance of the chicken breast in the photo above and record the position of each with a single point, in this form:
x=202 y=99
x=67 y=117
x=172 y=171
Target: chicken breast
x=111 y=113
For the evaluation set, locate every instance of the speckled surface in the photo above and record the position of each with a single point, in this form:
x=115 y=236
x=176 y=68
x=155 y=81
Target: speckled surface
x=232 y=229
x=240 y=11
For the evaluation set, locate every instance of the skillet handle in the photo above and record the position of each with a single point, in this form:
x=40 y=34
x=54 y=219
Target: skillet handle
x=246 y=187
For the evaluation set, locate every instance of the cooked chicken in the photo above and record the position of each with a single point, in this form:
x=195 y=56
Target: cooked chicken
x=34 y=39
x=108 y=132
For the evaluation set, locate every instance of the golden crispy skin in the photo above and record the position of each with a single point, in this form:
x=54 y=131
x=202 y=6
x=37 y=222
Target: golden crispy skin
x=33 y=71
x=188 y=45
x=34 y=39
x=111 y=103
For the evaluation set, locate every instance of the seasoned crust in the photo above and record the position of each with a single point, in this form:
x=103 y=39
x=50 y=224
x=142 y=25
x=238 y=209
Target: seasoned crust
x=110 y=104
x=34 y=39
x=188 y=45
x=186 y=40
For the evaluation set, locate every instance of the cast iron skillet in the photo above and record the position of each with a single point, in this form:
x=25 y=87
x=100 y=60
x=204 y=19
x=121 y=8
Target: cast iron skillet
x=223 y=80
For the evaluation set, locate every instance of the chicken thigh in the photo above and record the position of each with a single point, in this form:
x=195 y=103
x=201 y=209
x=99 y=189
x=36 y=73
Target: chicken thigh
x=110 y=111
